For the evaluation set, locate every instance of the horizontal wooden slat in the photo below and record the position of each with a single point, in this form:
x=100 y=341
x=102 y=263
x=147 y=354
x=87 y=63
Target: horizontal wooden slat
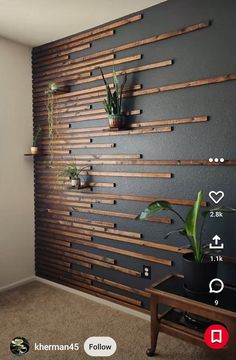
x=107 y=156
x=59 y=245
x=187 y=120
x=122 y=72
x=75 y=74
x=58 y=57
x=72 y=202
x=71 y=45
x=164 y=129
x=148 y=199
x=80 y=220
x=152 y=39
x=61 y=67
x=58 y=256
x=186 y=85
x=123 y=215
x=40 y=86
x=65 y=250
x=73 y=98
x=86 y=34
x=61 y=142
x=91 y=146
x=84 y=115
x=96 y=262
x=108 y=282
x=62 y=232
x=91 y=227
x=94 y=293
x=59 y=272
x=82 y=286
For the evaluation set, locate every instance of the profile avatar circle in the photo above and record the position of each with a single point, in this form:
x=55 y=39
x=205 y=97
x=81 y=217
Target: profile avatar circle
x=19 y=346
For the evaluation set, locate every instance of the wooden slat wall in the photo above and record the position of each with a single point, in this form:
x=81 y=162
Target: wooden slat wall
x=77 y=235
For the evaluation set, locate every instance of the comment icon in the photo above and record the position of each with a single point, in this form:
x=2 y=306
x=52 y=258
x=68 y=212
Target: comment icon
x=219 y=283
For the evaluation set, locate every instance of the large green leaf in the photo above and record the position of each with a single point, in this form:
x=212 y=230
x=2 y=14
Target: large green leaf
x=115 y=81
x=152 y=208
x=192 y=217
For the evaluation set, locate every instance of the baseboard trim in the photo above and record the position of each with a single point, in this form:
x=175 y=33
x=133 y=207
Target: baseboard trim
x=17 y=283
x=94 y=298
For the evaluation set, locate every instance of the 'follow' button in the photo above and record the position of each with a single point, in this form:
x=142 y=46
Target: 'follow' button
x=100 y=346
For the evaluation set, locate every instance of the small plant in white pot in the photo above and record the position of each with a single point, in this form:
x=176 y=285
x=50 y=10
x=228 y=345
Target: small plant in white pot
x=37 y=135
x=73 y=172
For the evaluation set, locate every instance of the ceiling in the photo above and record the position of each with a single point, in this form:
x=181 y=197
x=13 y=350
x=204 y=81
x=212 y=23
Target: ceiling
x=35 y=22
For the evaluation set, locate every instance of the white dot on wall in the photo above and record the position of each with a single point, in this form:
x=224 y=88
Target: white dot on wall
x=210 y=160
x=222 y=160
x=216 y=160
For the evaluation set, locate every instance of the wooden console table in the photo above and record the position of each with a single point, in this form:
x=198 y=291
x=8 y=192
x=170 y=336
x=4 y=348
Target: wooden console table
x=170 y=291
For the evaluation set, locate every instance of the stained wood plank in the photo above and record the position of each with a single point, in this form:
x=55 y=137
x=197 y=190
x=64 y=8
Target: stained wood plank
x=59 y=245
x=187 y=120
x=74 y=74
x=148 y=199
x=132 y=70
x=157 y=130
x=161 y=220
x=78 y=75
x=61 y=67
x=186 y=85
x=149 y=40
x=92 y=228
x=65 y=251
x=96 y=262
x=86 y=34
x=58 y=57
x=72 y=44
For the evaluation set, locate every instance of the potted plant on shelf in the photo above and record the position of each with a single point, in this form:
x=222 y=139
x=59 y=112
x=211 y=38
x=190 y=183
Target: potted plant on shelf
x=113 y=102
x=73 y=172
x=36 y=137
x=198 y=269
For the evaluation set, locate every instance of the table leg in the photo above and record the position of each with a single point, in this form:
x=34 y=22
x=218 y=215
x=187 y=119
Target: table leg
x=154 y=327
x=231 y=352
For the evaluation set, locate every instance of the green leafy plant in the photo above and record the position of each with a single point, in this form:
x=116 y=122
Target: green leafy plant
x=72 y=171
x=113 y=102
x=52 y=132
x=37 y=136
x=192 y=227
x=18 y=346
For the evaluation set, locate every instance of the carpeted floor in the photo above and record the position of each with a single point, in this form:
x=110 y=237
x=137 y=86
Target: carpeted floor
x=44 y=314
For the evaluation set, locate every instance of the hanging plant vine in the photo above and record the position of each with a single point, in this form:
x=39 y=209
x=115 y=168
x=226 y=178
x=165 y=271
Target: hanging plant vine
x=52 y=130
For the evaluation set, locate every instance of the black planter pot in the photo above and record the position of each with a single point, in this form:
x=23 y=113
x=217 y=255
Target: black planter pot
x=197 y=276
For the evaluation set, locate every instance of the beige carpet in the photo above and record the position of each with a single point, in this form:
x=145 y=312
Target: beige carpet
x=44 y=314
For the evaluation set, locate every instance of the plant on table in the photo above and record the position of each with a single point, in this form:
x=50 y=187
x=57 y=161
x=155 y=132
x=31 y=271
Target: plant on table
x=192 y=229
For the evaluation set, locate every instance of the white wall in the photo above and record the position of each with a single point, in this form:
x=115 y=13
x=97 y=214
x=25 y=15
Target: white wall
x=16 y=171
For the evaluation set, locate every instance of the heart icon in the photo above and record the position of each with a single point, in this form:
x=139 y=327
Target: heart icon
x=216 y=196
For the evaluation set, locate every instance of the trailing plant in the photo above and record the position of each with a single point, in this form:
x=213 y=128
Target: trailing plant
x=52 y=132
x=37 y=136
x=72 y=171
x=192 y=227
x=113 y=102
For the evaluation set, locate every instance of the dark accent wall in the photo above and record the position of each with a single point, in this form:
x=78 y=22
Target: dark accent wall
x=207 y=53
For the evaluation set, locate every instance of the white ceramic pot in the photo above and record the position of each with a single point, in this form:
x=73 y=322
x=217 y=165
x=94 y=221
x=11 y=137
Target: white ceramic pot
x=74 y=182
x=34 y=150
